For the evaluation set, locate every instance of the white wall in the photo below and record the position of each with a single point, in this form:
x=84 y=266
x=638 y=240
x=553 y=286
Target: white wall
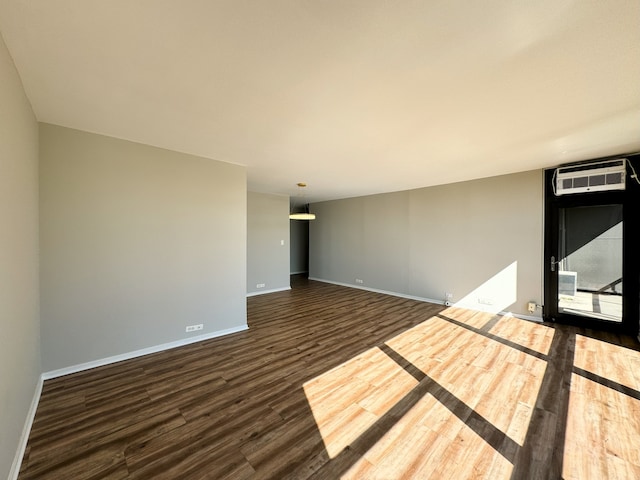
x=19 y=316
x=479 y=240
x=137 y=243
x=267 y=242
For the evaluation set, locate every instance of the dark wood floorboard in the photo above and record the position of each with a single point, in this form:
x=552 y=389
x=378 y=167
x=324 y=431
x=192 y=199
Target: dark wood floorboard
x=331 y=382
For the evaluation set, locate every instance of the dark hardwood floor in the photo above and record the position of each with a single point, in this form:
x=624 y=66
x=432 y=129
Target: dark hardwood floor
x=331 y=382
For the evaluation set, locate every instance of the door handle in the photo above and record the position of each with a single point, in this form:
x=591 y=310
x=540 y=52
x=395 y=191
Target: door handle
x=553 y=263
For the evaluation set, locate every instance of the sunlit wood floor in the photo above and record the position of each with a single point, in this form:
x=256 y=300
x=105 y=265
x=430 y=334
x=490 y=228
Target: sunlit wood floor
x=331 y=382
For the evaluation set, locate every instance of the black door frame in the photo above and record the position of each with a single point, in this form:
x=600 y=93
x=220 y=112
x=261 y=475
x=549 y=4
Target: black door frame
x=630 y=201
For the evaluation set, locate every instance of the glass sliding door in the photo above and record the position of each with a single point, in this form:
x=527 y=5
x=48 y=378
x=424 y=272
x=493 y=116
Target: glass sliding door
x=592 y=247
x=590 y=261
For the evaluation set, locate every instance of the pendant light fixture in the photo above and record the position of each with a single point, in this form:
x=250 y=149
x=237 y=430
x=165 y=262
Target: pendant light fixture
x=304 y=215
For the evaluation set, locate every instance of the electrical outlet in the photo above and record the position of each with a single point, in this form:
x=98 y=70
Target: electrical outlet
x=485 y=301
x=448 y=297
x=359 y=280
x=260 y=285
x=193 y=328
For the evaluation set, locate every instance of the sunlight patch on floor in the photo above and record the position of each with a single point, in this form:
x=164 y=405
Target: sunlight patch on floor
x=413 y=449
x=348 y=399
x=531 y=335
x=482 y=387
x=498 y=381
x=614 y=362
x=603 y=435
x=603 y=421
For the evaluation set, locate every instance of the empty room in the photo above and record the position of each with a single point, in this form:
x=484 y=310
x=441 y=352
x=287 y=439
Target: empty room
x=319 y=240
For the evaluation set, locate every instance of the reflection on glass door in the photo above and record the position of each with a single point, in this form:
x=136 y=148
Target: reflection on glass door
x=589 y=263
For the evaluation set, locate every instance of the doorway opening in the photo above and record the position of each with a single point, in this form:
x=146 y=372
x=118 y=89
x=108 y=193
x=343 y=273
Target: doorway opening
x=589 y=262
x=592 y=245
x=299 y=245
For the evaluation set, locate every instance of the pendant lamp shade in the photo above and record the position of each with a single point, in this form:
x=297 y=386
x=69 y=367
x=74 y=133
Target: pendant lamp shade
x=304 y=214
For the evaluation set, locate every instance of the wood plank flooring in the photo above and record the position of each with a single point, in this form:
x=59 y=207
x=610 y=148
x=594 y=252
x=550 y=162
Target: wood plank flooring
x=331 y=382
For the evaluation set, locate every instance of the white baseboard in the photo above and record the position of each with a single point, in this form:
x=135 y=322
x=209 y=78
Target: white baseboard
x=139 y=353
x=422 y=299
x=377 y=290
x=24 y=438
x=263 y=292
x=531 y=318
x=298 y=273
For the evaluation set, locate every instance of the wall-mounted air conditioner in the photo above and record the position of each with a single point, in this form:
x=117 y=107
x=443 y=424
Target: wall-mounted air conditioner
x=591 y=177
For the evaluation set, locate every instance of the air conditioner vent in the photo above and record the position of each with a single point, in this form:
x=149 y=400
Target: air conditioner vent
x=592 y=177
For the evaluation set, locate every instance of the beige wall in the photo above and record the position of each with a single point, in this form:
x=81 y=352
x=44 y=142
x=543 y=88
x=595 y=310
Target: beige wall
x=479 y=240
x=137 y=243
x=19 y=317
x=267 y=242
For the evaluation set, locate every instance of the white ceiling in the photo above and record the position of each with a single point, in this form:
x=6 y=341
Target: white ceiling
x=353 y=97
